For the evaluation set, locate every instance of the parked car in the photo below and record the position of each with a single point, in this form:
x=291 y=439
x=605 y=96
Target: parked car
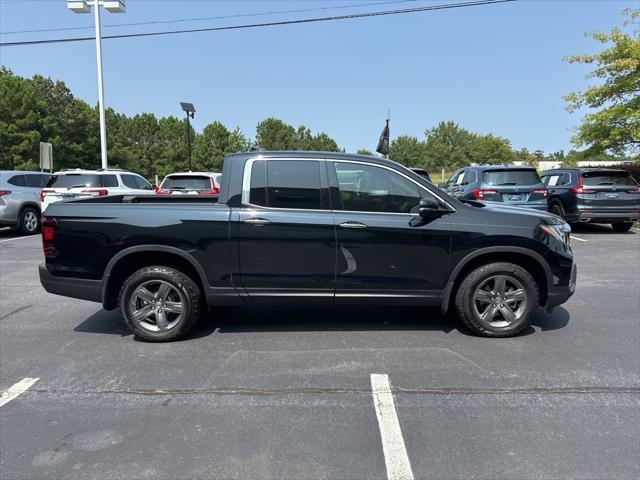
x=20 y=199
x=423 y=173
x=503 y=184
x=190 y=183
x=599 y=195
x=315 y=227
x=74 y=184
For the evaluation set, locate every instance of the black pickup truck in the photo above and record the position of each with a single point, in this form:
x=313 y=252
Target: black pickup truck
x=308 y=227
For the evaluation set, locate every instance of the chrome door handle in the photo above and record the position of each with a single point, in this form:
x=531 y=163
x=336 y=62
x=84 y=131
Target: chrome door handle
x=353 y=225
x=257 y=221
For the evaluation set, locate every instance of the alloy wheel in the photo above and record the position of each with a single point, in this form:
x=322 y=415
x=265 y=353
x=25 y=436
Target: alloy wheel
x=30 y=221
x=499 y=301
x=157 y=305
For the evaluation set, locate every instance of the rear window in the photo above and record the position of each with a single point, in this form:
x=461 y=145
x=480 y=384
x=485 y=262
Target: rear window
x=74 y=180
x=594 y=179
x=510 y=177
x=187 y=182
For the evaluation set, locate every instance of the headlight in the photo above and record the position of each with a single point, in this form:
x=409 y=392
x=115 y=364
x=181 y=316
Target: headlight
x=560 y=231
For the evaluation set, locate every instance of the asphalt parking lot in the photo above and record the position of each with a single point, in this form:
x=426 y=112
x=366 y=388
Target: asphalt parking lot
x=286 y=393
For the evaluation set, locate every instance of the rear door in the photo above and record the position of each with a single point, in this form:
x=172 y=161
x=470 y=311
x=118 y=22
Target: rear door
x=385 y=249
x=286 y=234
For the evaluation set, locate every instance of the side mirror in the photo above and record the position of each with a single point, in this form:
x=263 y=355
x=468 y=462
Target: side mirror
x=428 y=207
x=442 y=185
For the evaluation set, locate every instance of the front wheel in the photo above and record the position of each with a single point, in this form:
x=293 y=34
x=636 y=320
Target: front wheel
x=160 y=303
x=497 y=299
x=622 y=226
x=556 y=209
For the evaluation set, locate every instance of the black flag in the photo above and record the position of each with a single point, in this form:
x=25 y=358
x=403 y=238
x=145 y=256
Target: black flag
x=383 y=143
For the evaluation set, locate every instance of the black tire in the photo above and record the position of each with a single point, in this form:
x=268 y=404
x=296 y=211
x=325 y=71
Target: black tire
x=29 y=221
x=183 y=287
x=468 y=312
x=557 y=209
x=622 y=226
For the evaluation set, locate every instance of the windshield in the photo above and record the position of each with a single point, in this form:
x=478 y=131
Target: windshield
x=74 y=180
x=511 y=177
x=186 y=182
x=594 y=179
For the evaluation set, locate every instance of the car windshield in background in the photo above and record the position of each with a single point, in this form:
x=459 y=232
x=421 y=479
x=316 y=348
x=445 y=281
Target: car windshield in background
x=185 y=182
x=510 y=177
x=74 y=180
x=594 y=179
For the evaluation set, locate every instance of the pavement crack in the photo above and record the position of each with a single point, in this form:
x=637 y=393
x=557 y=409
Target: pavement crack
x=462 y=391
x=17 y=310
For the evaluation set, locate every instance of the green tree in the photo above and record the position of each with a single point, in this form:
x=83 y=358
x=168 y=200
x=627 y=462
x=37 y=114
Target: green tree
x=615 y=126
x=491 y=149
x=214 y=143
x=274 y=134
x=364 y=151
x=408 y=151
x=448 y=145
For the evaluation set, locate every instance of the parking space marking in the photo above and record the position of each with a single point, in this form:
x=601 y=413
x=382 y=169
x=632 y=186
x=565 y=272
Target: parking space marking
x=16 y=390
x=579 y=239
x=17 y=238
x=395 y=452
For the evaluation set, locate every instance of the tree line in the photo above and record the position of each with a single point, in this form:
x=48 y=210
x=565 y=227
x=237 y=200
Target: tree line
x=40 y=109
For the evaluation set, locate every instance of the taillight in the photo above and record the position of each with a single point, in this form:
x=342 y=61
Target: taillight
x=48 y=235
x=543 y=191
x=214 y=190
x=4 y=192
x=98 y=192
x=162 y=192
x=480 y=193
x=634 y=190
x=580 y=188
x=44 y=192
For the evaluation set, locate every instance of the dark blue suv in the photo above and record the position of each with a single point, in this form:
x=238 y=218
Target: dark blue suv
x=505 y=184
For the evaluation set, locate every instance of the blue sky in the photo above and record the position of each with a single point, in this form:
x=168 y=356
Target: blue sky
x=493 y=69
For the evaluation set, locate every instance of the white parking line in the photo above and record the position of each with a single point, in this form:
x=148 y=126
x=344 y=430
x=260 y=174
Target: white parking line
x=17 y=389
x=395 y=452
x=579 y=239
x=18 y=238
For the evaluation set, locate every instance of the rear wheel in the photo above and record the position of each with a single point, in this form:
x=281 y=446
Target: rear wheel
x=497 y=299
x=622 y=226
x=29 y=221
x=556 y=209
x=160 y=303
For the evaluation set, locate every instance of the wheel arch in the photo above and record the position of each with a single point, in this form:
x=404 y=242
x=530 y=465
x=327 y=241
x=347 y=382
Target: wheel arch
x=132 y=259
x=532 y=261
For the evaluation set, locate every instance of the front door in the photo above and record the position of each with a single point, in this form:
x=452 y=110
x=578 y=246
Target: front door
x=286 y=233
x=385 y=249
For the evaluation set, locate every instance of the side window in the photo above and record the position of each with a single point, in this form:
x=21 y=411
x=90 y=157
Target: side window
x=545 y=179
x=552 y=180
x=293 y=184
x=258 y=187
x=470 y=177
x=566 y=179
x=286 y=184
x=36 y=181
x=129 y=181
x=109 y=180
x=367 y=188
x=142 y=183
x=460 y=177
x=452 y=178
x=18 y=181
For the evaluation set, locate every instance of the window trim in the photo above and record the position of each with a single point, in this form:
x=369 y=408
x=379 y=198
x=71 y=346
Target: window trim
x=246 y=186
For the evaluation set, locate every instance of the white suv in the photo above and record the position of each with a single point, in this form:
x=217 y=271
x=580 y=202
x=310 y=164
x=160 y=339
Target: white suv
x=74 y=184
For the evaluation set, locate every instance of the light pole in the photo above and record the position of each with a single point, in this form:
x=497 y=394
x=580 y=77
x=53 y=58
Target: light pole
x=113 y=6
x=190 y=110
